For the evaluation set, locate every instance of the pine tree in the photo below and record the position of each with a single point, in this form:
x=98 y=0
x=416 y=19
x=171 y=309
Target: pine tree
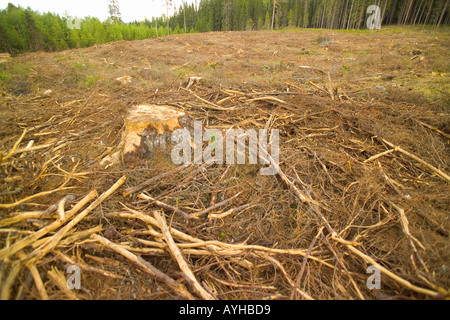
x=168 y=5
x=114 y=11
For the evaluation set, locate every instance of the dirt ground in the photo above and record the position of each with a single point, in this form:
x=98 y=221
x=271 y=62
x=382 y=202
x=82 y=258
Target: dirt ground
x=364 y=136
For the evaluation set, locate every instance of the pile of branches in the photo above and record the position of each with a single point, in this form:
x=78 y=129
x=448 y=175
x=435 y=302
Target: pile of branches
x=344 y=198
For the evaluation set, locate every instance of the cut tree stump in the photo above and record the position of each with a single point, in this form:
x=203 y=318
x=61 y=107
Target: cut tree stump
x=148 y=130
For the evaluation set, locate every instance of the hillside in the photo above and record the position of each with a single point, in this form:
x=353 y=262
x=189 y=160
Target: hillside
x=364 y=139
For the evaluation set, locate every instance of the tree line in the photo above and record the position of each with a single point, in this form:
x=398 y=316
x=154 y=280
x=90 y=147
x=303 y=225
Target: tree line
x=23 y=30
x=234 y=15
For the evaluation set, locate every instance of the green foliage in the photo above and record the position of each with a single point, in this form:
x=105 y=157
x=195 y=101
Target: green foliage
x=5 y=77
x=89 y=81
x=11 y=73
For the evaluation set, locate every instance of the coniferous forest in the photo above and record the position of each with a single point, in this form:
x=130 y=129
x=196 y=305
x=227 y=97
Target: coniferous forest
x=23 y=30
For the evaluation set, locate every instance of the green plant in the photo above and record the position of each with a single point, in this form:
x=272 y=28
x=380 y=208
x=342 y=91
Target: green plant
x=89 y=81
x=5 y=77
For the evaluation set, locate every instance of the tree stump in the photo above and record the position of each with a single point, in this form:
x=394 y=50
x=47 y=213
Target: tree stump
x=148 y=130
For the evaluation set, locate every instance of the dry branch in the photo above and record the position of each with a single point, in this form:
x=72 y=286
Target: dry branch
x=268 y=98
x=59 y=280
x=440 y=173
x=411 y=239
x=434 y=129
x=12 y=152
x=9 y=281
x=40 y=194
x=217 y=205
x=210 y=105
x=54 y=240
x=188 y=275
x=6 y=252
x=36 y=276
x=153 y=180
x=166 y=206
x=147 y=267
x=87 y=268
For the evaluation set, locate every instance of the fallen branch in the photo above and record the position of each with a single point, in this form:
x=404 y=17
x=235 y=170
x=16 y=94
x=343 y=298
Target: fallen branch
x=55 y=239
x=446 y=135
x=212 y=105
x=188 y=275
x=298 y=281
x=146 y=267
x=440 y=173
x=12 y=151
x=6 y=252
x=167 y=206
x=393 y=276
x=217 y=205
x=59 y=280
x=268 y=98
x=7 y=284
x=379 y=155
x=40 y=194
x=36 y=276
x=227 y=213
x=411 y=239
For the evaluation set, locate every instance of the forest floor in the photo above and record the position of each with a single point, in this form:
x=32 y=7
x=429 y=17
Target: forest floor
x=364 y=137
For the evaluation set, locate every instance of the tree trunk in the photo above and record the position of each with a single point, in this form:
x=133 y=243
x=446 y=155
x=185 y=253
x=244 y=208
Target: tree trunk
x=443 y=14
x=273 y=13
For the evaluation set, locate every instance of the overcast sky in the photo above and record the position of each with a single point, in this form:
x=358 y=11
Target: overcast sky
x=130 y=9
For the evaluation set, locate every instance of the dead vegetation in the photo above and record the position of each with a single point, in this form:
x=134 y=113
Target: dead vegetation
x=362 y=181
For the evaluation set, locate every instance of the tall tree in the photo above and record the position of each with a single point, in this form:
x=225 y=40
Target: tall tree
x=114 y=11
x=168 y=5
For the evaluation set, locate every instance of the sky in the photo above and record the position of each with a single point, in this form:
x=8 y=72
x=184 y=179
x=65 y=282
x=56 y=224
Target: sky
x=130 y=9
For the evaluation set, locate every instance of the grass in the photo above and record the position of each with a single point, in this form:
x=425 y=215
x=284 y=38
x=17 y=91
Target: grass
x=12 y=72
x=89 y=82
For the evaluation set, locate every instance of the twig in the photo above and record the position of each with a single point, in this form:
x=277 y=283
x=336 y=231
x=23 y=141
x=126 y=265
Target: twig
x=7 y=284
x=434 y=129
x=305 y=260
x=440 y=173
x=188 y=275
x=393 y=276
x=8 y=251
x=147 y=267
x=36 y=276
x=20 y=217
x=167 y=206
x=212 y=105
x=411 y=239
x=40 y=194
x=227 y=213
x=217 y=205
x=58 y=278
x=288 y=278
x=87 y=268
x=268 y=98
x=12 y=151
x=55 y=239
x=379 y=155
